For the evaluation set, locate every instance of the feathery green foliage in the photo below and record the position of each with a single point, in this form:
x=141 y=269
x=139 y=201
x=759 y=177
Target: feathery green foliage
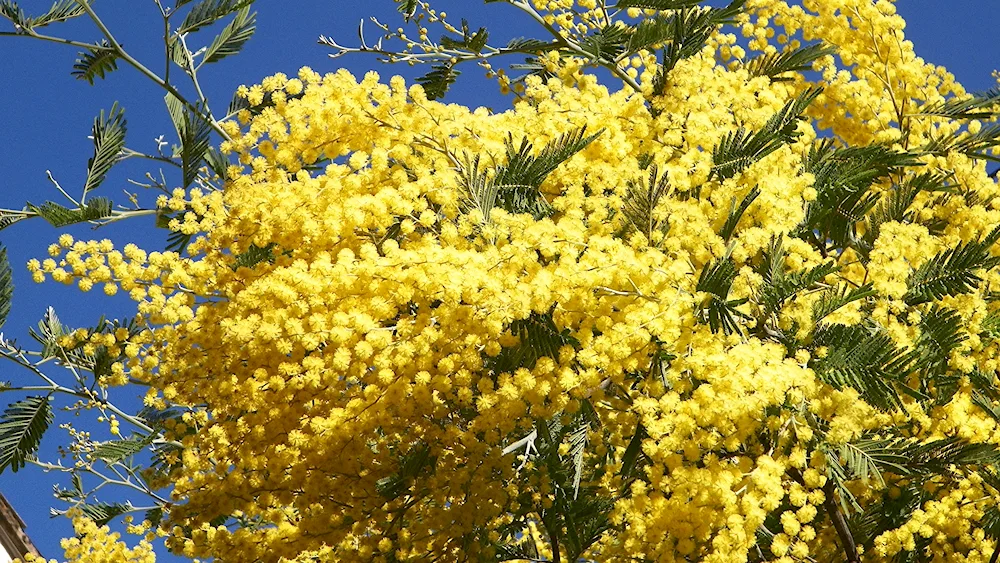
x=773 y=65
x=109 y=140
x=6 y=286
x=95 y=63
x=953 y=271
x=21 y=429
x=60 y=216
x=741 y=148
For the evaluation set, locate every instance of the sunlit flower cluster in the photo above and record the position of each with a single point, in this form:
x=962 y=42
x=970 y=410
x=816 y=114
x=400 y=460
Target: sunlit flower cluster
x=348 y=298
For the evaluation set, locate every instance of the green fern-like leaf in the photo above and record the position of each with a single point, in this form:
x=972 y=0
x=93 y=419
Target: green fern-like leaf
x=895 y=205
x=95 y=63
x=233 y=37
x=977 y=106
x=844 y=177
x=518 y=180
x=414 y=462
x=690 y=29
x=117 y=450
x=940 y=333
x=207 y=12
x=48 y=333
x=868 y=458
x=254 y=255
x=719 y=311
x=780 y=286
x=953 y=271
x=479 y=190
x=739 y=149
x=61 y=10
x=631 y=458
x=641 y=200
x=9 y=217
x=470 y=41
x=194 y=134
x=776 y=64
x=6 y=286
x=833 y=299
x=538 y=337
x=437 y=82
x=608 y=43
x=21 y=429
x=406 y=7
x=864 y=358
x=736 y=213
x=109 y=139
x=102 y=513
x=974 y=145
x=59 y=216
x=12 y=12
x=528 y=45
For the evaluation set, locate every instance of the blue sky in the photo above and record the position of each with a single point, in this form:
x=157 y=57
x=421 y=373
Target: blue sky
x=50 y=113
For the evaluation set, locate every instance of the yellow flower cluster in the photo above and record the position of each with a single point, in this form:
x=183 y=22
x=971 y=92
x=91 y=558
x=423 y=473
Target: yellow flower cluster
x=97 y=544
x=350 y=297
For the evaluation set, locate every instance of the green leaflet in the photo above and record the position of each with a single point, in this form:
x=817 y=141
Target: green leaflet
x=21 y=429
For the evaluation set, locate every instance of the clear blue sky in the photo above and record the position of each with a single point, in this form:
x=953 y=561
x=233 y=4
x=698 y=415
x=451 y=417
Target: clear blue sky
x=50 y=113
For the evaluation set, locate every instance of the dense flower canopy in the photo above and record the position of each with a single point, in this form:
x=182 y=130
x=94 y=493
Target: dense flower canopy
x=709 y=319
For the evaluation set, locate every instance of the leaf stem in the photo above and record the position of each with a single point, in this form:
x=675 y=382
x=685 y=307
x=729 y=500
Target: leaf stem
x=60 y=40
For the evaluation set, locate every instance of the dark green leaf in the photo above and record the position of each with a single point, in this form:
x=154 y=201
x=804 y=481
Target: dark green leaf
x=8 y=218
x=116 y=450
x=941 y=332
x=690 y=30
x=978 y=106
x=736 y=212
x=739 y=149
x=21 y=429
x=438 y=80
x=254 y=255
x=780 y=286
x=973 y=145
x=833 y=299
x=413 y=463
x=865 y=358
x=953 y=271
x=95 y=63
x=109 y=140
x=843 y=180
x=641 y=200
x=895 y=205
x=630 y=459
x=6 y=286
x=719 y=311
x=14 y=13
x=522 y=44
x=207 y=12
x=102 y=513
x=775 y=64
x=519 y=179
x=194 y=134
x=407 y=8
x=538 y=337
x=233 y=37
x=471 y=41
x=60 y=11
x=95 y=209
